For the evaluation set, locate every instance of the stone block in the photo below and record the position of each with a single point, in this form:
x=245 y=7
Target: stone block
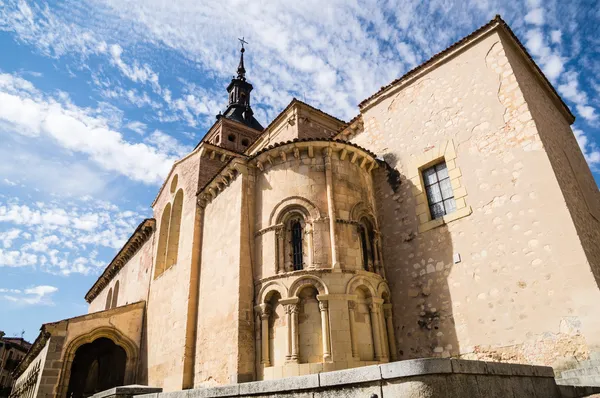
x=545 y=387
x=469 y=367
x=360 y=391
x=415 y=367
x=221 y=391
x=499 y=368
x=355 y=375
x=543 y=371
x=130 y=391
x=494 y=386
x=280 y=385
x=522 y=386
x=522 y=370
x=417 y=387
x=462 y=385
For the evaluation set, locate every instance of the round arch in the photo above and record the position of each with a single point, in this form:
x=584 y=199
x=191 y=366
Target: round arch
x=268 y=289
x=311 y=211
x=360 y=210
x=131 y=350
x=382 y=289
x=307 y=280
x=358 y=281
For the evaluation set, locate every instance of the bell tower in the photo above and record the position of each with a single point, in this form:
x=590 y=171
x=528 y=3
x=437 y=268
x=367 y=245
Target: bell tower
x=239 y=89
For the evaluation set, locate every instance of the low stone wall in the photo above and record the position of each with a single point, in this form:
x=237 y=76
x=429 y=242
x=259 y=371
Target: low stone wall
x=420 y=378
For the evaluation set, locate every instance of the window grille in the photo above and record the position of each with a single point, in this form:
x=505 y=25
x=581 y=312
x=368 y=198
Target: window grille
x=297 y=244
x=439 y=190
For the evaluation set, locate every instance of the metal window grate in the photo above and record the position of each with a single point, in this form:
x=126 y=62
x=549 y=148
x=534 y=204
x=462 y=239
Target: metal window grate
x=297 y=245
x=439 y=190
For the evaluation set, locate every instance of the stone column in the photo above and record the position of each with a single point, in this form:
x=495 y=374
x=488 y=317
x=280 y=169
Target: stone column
x=375 y=326
x=290 y=306
x=330 y=206
x=387 y=309
x=280 y=242
x=264 y=311
x=308 y=235
x=385 y=350
x=323 y=307
x=293 y=308
x=353 y=337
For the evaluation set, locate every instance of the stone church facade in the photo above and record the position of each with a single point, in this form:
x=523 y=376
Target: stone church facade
x=455 y=216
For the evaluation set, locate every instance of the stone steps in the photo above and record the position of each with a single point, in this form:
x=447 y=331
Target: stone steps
x=587 y=373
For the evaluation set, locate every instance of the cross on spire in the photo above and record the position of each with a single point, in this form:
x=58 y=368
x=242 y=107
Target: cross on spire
x=241 y=71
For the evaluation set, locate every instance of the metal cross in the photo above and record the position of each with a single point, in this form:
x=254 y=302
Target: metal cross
x=242 y=41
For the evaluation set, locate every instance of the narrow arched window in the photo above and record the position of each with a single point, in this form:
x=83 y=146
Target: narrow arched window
x=297 y=233
x=115 y=295
x=163 y=236
x=108 y=299
x=367 y=243
x=174 y=229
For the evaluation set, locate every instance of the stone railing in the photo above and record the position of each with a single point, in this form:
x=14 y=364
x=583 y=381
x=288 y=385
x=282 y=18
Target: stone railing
x=422 y=378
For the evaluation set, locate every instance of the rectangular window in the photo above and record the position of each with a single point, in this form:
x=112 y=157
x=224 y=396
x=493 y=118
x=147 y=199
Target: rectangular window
x=439 y=190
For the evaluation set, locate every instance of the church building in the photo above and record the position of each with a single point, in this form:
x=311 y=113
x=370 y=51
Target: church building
x=454 y=216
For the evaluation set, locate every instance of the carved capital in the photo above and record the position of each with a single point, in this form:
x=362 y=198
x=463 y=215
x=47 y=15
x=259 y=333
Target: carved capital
x=375 y=308
x=291 y=308
x=263 y=310
x=323 y=305
x=351 y=305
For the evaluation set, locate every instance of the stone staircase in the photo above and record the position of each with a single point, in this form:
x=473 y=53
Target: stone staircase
x=586 y=374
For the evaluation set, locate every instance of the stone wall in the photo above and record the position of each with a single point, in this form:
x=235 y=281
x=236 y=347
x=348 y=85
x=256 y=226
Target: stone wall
x=494 y=280
x=222 y=355
x=167 y=314
x=410 y=379
x=38 y=366
x=134 y=280
x=582 y=198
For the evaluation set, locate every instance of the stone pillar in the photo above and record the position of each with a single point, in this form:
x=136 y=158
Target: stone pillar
x=323 y=307
x=308 y=235
x=375 y=326
x=290 y=306
x=280 y=245
x=330 y=207
x=265 y=312
x=353 y=337
x=387 y=309
x=294 y=332
x=385 y=351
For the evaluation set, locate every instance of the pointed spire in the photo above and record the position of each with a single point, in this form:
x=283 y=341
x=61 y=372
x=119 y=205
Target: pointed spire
x=241 y=71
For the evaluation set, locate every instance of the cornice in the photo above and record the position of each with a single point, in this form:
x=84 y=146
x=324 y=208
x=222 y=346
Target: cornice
x=133 y=244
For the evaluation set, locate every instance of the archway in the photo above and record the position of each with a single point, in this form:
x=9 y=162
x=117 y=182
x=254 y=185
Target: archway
x=97 y=366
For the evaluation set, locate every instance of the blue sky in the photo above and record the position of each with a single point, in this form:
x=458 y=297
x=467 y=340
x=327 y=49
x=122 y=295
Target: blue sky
x=99 y=97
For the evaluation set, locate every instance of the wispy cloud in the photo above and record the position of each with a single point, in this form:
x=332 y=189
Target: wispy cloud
x=36 y=295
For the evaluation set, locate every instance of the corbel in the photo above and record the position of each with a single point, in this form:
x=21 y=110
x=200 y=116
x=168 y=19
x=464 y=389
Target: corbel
x=343 y=154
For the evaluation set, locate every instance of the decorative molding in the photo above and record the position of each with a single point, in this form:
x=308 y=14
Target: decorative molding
x=131 y=247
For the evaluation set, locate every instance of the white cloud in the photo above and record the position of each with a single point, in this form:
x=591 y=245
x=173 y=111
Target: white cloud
x=535 y=16
x=589 y=149
x=7 y=237
x=136 y=126
x=76 y=130
x=136 y=72
x=63 y=238
x=9 y=182
x=37 y=295
x=571 y=91
x=556 y=36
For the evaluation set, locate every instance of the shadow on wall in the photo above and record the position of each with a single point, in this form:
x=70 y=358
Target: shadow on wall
x=417 y=267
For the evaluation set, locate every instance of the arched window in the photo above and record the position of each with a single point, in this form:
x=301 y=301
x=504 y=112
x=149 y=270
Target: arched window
x=174 y=228
x=115 y=295
x=108 y=299
x=163 y=236
x=367 y=243
x=297 y=241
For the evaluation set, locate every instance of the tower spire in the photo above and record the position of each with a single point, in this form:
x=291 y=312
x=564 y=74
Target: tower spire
x=241 y=71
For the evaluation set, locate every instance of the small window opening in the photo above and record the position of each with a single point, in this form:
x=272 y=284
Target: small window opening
x=439 y=190
x=245 y=142
x=297 y=245
x=231 y=137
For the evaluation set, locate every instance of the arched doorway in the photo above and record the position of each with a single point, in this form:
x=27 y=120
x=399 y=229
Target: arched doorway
x=97 y=366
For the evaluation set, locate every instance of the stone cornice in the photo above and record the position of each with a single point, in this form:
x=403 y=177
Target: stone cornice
x=228 y=173
x=310 y=147
x=133 y=244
